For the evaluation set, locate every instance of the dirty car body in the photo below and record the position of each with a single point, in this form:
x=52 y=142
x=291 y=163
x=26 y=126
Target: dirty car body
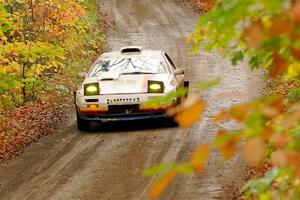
x=120 y=82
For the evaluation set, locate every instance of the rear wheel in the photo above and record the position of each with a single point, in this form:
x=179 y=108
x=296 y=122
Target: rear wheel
x=82 y=125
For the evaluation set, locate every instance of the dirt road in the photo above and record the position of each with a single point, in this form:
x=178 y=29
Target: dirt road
x=108 y=165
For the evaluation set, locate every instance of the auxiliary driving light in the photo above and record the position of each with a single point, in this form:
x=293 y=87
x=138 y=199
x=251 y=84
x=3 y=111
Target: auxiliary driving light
x=92 y=106
x=155 y=87
x=91 y=89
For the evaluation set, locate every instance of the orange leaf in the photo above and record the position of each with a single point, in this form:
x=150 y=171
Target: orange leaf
x=279 y=158
x=240 y=112
x=254 y=34
x=219 y=117
x=227 y=151
x=199 y=157
x=267 y=132
x=229 y=148
x=270 y=112
x=162 y=184
x=280 y=65
x=291 y=120
x=295 y=13
x=280 y=25
x=280 y=140
x=294 y=161
x=188 y=116
x=296 y=53
x=254 y=151
x=209 y=4
x=279 y=104
x=220 y=133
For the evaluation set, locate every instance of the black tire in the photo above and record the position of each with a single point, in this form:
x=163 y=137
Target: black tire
x=171 y=122
x=186 y=85
x=82 y=124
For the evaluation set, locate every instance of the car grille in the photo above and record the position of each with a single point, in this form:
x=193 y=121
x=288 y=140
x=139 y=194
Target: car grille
x=121 y=100
x=123 y=109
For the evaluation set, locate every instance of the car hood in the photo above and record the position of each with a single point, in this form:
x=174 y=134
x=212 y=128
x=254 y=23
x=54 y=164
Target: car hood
x=129 y=84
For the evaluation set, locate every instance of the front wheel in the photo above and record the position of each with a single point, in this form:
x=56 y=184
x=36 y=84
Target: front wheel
x=82 y=125
x=186 y=84
x=171 y=122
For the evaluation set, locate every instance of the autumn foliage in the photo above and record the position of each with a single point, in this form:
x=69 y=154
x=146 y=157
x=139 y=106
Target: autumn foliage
x=267 y=34
x=37 y=40
x=43 y=46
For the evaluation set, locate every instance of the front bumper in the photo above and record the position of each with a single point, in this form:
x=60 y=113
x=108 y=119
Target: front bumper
x=101 y=112
x=124 y=117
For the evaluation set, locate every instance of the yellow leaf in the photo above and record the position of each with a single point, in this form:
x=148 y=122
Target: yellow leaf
x=189 y=38
x=199 y=157
x=162 y=184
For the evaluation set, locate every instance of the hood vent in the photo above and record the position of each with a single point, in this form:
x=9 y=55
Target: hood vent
x=131 y=49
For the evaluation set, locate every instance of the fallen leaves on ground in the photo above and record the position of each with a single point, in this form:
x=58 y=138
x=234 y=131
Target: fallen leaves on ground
x=27 y=124
x=201 y=6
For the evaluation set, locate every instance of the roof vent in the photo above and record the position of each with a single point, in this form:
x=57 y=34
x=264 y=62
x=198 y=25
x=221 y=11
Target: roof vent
x=131 y=49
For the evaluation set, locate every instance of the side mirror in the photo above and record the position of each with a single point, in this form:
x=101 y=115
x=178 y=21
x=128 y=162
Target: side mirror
x=179 y=71
x=82 y=74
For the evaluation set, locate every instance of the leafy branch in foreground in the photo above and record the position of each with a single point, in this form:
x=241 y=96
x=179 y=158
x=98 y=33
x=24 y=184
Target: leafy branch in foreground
x=267 y=33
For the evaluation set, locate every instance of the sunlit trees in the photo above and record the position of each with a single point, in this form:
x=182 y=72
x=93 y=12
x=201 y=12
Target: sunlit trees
x=37 y=38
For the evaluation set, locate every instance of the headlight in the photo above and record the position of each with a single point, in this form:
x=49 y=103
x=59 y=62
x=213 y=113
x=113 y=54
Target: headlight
x=91 y=89
x=155 y=87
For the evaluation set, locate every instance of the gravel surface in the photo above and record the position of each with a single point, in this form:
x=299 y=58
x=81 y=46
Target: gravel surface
x=108 y=165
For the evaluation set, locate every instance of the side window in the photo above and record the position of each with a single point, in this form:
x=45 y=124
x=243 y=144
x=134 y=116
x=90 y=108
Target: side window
x=170 y=61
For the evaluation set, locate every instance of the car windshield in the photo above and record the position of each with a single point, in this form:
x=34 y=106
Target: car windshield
x=130 y=65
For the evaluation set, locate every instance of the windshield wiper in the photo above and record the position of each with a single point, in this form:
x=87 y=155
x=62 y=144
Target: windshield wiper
x=138 y=73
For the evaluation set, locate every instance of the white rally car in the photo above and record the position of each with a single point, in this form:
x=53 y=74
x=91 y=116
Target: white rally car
x=120 y=82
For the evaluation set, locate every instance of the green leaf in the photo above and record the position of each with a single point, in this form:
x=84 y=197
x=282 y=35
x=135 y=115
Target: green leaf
x=220 y=140
x=294 y=94
x=208 y=84
x=168 y=98
x=185 y=168
x=238 y=56
x=158 y=169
